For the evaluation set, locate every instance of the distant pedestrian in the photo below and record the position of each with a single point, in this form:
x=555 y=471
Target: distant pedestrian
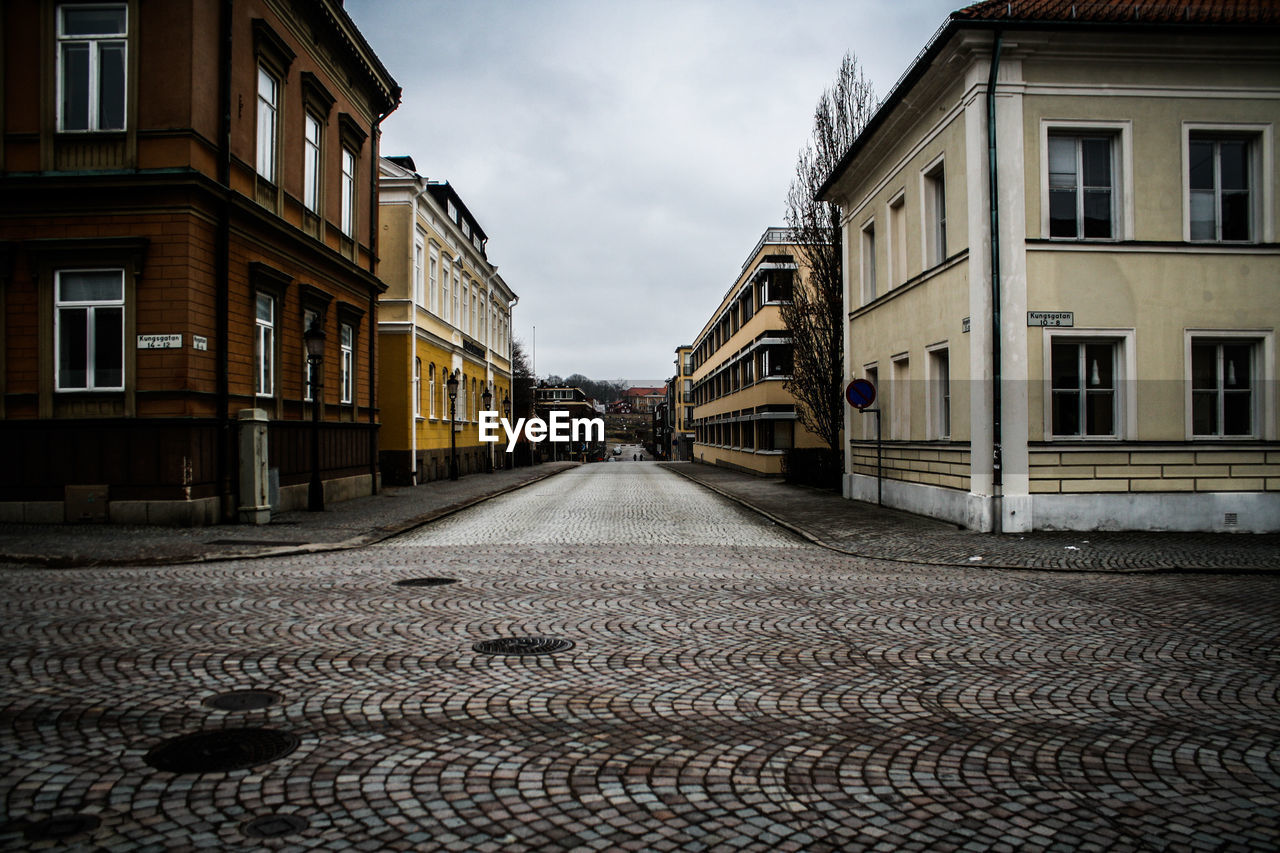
x=635 y=457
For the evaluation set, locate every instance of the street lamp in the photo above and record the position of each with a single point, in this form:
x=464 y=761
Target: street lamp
x=313 y=338
x=452 y=385
x=486 y=400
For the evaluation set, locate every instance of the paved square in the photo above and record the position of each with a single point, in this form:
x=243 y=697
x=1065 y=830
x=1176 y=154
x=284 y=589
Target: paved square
x=730 y=687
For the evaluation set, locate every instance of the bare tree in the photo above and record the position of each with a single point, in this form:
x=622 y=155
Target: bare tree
x=522 y=381
x=814 y=316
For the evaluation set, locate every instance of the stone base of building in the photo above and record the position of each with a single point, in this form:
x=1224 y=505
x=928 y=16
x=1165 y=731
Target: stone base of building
x=433 y=465
x=1203 y=512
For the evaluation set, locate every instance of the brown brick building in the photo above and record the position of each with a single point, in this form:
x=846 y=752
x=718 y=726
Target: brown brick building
x=185 y=185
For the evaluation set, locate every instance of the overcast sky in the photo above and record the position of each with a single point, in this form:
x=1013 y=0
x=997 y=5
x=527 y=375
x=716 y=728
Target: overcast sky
x=623 y=157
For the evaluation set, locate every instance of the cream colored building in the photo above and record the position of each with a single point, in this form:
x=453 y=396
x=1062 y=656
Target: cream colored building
x=1133 y=253
x=446 y=312
x=682 y=434
x=743 y=415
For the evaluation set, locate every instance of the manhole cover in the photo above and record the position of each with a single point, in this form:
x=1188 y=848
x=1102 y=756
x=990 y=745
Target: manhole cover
x=522 y=646
x=243 y=700
x=426 y=581
x=274 y=826
x=60 y=826
x=221 y=751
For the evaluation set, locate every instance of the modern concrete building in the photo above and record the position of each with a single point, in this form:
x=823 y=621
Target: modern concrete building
x=1062 y=271
x=743 y=415
x=186 y=187
x=446 y=313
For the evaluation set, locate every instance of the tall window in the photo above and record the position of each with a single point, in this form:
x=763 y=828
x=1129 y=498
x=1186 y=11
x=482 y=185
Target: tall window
x=264 y=346
x=444 y=289
x=898 y=240
x=1081 y=187
x=311 y=164
x=91 y=67
x=348 y=193
x=432 y=279
x=935 y=208
x=89 y=320
x=347 y=378
x=308 y=369
x=1220 y=188
x=940 y=393
x=1084 y=388
x=431 y=389
x=419 y=297
x=900 y=397
x=868 y=263
x=1222 y=380
x=417 y=387
x=457 y=292
x=268 y=106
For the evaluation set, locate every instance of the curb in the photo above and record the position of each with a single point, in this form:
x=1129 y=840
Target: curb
x=821 y=543
x=378 y=534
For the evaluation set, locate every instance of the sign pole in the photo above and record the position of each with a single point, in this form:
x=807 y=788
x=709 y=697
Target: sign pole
x=860 y=394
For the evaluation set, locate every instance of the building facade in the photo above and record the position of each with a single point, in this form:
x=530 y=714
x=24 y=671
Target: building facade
x=681 y=403
x=1084 y=336
x=165 y=241
x=446 y=312
x=743 y=415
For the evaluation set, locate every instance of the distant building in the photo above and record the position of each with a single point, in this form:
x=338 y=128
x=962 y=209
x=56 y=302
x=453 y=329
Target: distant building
x=743 y=415
x=186 y=186
x=1105 y=357
x=680 y=398
x=643 y=398
x=575 y=403
x=446 y=312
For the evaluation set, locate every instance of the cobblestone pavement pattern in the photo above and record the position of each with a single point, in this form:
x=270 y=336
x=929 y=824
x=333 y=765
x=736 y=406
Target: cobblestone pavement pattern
x=729 y=687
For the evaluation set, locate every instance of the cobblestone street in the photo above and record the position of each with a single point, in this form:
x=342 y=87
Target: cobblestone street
x=729 y=686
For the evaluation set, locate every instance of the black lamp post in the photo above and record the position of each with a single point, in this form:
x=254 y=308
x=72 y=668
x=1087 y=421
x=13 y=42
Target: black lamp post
x=313 y=338
x=452 y=385
x=486 y=400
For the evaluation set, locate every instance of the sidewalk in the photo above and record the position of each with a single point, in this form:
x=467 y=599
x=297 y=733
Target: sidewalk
x=865 y=530
x=349 y=524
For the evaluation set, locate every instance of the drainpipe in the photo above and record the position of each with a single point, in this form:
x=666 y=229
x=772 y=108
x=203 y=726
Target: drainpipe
x=373 y=297
x=222 y=264
x=994 y=189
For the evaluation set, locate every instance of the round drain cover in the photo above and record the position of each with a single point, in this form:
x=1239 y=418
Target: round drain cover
x=60 y=826
x=426 y=581
x=522 y=646
x=273 y=826
x=243 y=700
x=221 y=751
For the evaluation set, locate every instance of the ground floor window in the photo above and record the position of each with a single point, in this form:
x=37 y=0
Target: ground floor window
x=89 y=320
x=1084 y=388
x=347 y=378
x=1222 y=383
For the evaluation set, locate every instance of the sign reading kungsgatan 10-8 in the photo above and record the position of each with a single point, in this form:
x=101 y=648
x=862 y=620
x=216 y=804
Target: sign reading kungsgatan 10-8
x=561 y=428
x=1051 y=318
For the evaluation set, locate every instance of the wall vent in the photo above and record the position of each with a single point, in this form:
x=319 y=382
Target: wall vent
x=1230 y=519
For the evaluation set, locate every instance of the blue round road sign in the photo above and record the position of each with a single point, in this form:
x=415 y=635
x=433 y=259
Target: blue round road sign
x=860 y=393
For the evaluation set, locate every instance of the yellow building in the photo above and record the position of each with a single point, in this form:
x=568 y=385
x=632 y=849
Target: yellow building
x=446 y=313
x=681 y=415
x=743 y=416
x=1128 y=379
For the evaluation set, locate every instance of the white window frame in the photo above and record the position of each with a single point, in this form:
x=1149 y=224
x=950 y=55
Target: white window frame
x=268 y=125
x=933 y=209
x=95 y=43
x=431 y=391
x=433 y=280
x=264 y=353
x=1264 y=380
x=900 y=399
x=348 y=192
x=1121 y=173
x=938 y=408
x=419 y=283
x=90 y=307
x=312 y=161
x=1263 y=189
x=867 y=268
x=446 y=270
x=346 y=381
x=457 y=293
x=896 y=217
x=307 y=367
x=417 y=388
x=1126 y=370
x=871 y=372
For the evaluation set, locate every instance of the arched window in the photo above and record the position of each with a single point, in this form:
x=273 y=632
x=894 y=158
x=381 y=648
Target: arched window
x=431 y=389
x=417 y=387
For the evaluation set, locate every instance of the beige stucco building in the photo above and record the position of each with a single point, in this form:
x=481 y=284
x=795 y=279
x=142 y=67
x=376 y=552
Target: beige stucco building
x=446 y=312
x=743 y=415
x=1131 y=251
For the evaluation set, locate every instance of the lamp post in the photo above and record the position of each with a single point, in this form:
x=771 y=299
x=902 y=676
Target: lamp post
x=452 y=385
x=486 y=400
x=313 y=338
x=506 y=412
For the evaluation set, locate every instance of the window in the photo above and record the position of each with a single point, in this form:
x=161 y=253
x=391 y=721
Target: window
x=1083 y=387
x=348 y=193
x=940 y=393
x=900 y=397
x=311 y=164
x=347 y=367
x=419 y=297
x=935 y=210
x=264 y=346
x=308 y=372
x=1220 y=178
x=868 y=262
x=898 y=240
x=1222 y=382
x=89 y=320
x=457 y=292
x=872 y=374
x=444 y=284
x=417 y=387
x=432 y=295
x=91 y=67
x=268 y=104
x=1081 y=186
x=431 y=389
